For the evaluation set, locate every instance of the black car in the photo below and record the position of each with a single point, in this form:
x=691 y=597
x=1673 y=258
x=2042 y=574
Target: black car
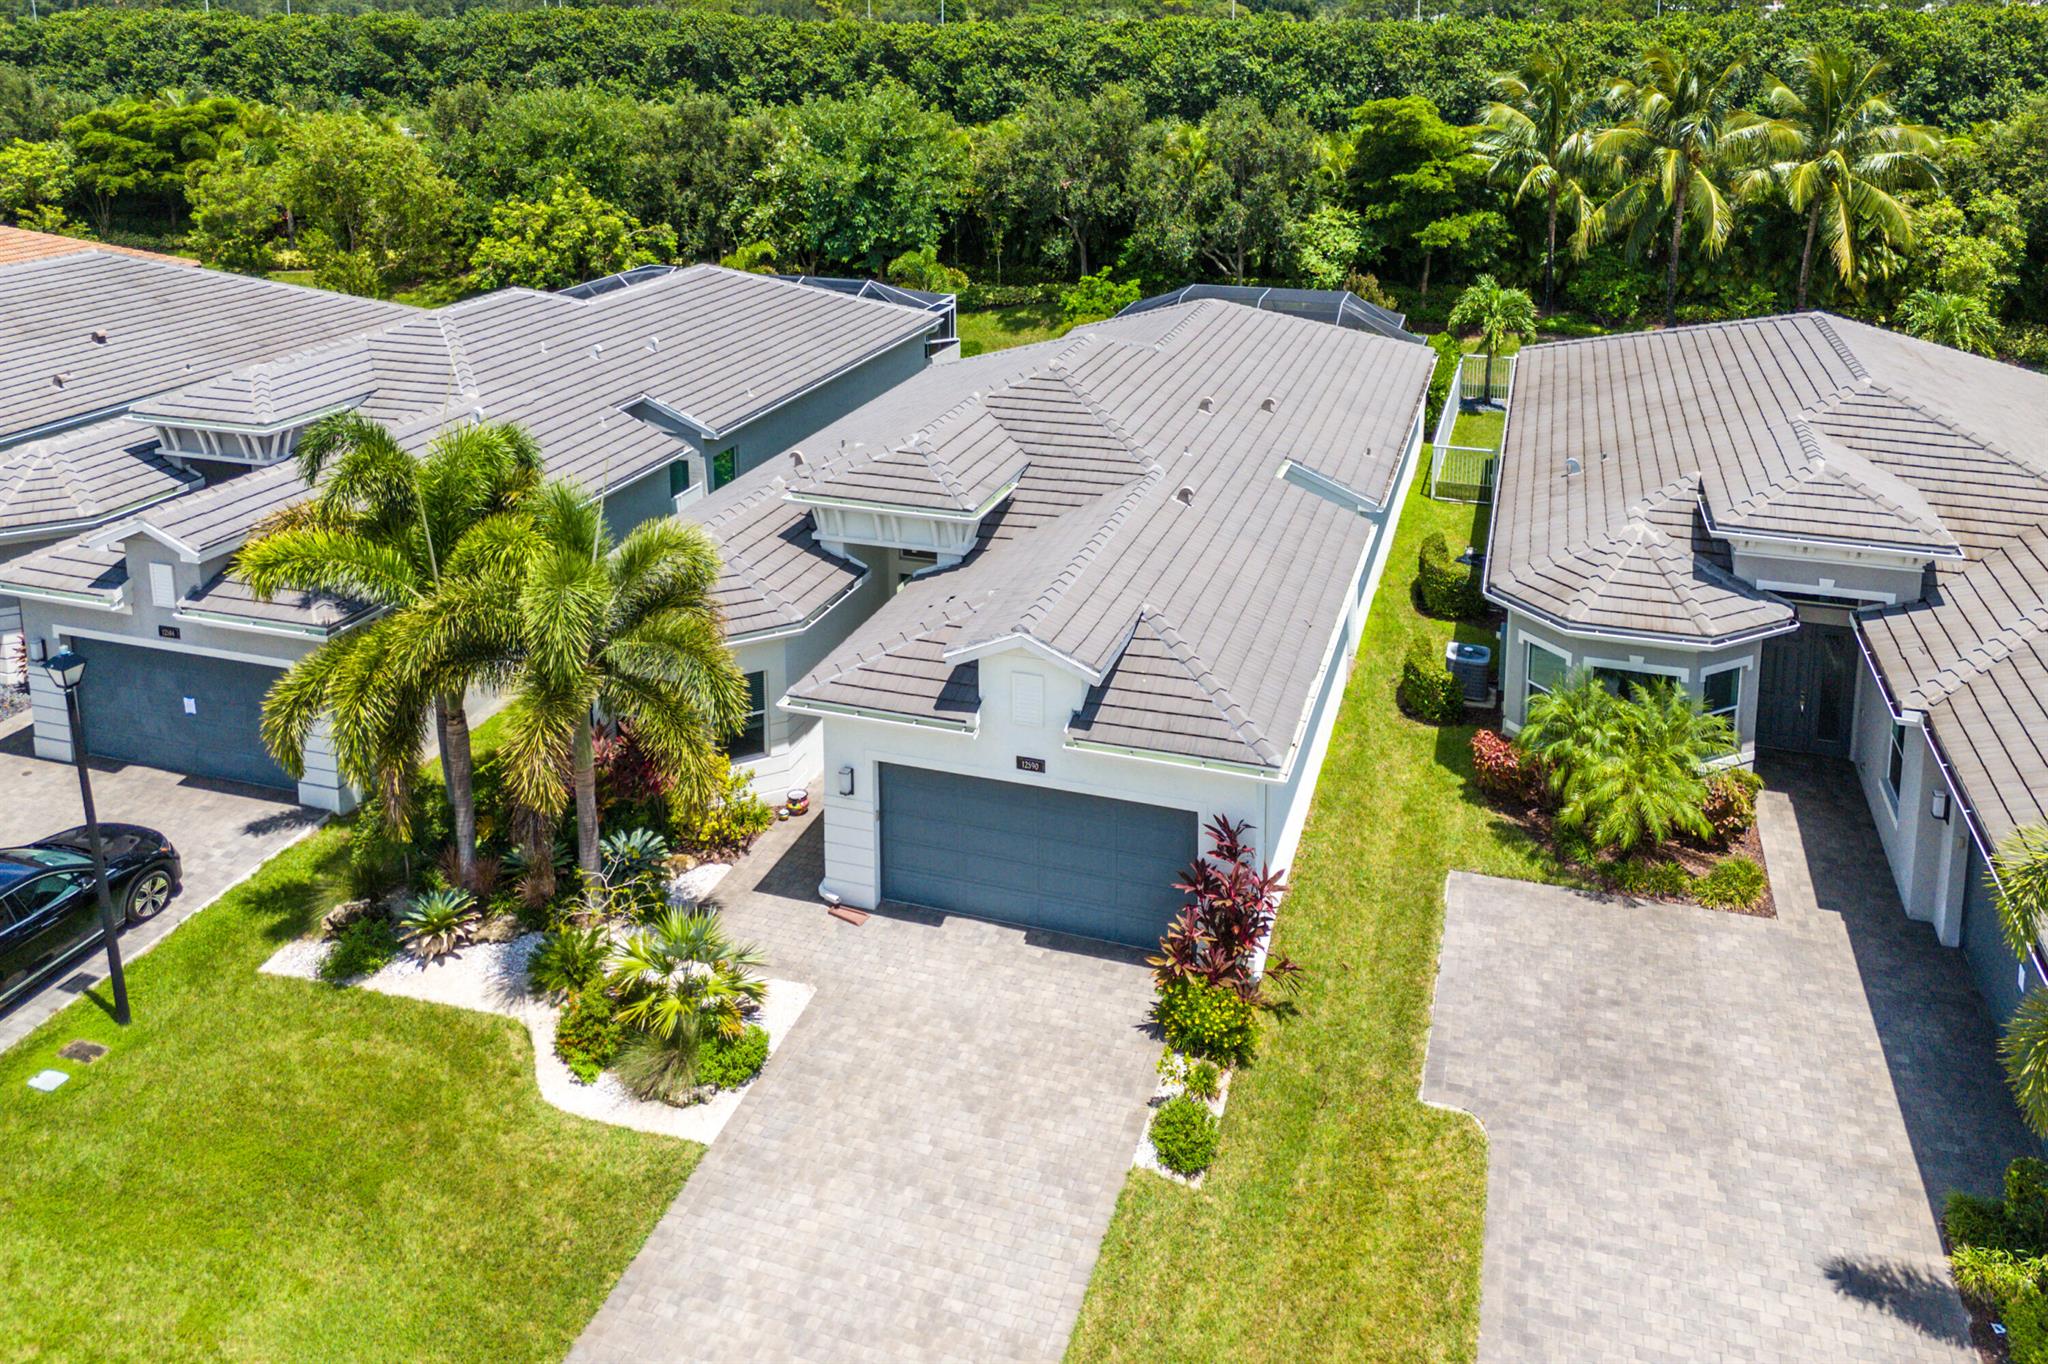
x=48 y=910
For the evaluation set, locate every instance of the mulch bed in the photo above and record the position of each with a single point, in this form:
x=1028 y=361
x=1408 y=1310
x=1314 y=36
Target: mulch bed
x=1540 y=825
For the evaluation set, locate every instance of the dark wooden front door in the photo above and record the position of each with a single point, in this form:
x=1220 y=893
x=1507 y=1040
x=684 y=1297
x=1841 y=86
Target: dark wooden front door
x=1806 y=696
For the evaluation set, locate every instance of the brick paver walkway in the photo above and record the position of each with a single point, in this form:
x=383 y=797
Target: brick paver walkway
x=1719 y=1138
x=927 y=1167
x=222 y=833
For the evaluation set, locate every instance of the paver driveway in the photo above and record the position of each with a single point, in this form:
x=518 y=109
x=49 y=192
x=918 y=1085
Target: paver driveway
x=927 y=1167
x=222 y=832
x=1712 y=1137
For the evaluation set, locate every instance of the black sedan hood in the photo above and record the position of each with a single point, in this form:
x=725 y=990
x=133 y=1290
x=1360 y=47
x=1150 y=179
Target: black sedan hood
x=124 y=843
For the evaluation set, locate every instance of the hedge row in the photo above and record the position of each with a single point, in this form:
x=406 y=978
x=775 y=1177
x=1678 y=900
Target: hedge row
x=1953 y=66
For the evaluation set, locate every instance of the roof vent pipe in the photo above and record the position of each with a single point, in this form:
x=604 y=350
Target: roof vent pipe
x=654 y=343
x=99 y=337
x=1184 y=495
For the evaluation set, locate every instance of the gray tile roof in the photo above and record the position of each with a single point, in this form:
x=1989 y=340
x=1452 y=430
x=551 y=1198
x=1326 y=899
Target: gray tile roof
x=165 y=326
x=68 y=569
x=86 y=474
x=774 y=575
x=1826 y=429
x=229 y=598
x=1150 y=540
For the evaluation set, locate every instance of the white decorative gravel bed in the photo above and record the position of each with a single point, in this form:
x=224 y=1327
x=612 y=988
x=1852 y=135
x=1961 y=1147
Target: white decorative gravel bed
x=1145 y=1158
x=491 y=978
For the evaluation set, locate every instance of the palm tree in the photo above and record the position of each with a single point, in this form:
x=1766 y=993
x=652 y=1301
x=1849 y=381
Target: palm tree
x=1568 y=728
x=1647 y=783
x=630 y=628
x=433 y=540
x=2021 y=865
x=1498 y=314
x=680 y=982
x=1849 y=152
x=1674 y=154
x=1540 y=131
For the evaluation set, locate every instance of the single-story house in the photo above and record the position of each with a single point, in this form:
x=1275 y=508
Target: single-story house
x=646 y=395
x=1102 y=590
x=1834 y=535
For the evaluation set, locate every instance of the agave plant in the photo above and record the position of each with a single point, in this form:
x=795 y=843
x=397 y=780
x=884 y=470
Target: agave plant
x=438 y=922
x=681 y=976
x=568 y=960
x=634 y=853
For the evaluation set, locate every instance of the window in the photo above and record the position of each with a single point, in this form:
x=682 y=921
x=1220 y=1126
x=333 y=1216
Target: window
x=1622 y=682
x=1895 y=765
x=679 y=478
x=1546 y=672
x=1722 y=692
x=752 y=740
x=38 y=895
x=725 y=466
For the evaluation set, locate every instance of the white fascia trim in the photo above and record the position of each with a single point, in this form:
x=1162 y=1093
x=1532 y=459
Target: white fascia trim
x=775 y=632
x=61 y=425
x=1550 y=622
x=92 y=601
x=120 y=532
x=1823 y=547
x=315 y=633
x=809 y=499
x=174 y=646
x=1252 y=770
x=828 y=708
x=1017 y=639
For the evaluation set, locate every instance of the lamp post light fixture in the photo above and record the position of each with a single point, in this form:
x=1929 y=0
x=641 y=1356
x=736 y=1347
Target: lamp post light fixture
x=67 y=670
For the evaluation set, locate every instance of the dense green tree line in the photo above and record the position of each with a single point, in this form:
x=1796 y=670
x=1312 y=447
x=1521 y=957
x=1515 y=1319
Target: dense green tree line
x=1954 y=66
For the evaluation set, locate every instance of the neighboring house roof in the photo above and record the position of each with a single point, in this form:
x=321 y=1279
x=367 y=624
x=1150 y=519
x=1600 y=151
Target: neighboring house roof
x=1154 y=542
x=91 y=332
x=19 y=244
x=1818 y=429
x=1339 y=307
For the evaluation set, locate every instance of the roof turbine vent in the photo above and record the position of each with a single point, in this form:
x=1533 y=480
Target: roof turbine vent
x=1185 y=495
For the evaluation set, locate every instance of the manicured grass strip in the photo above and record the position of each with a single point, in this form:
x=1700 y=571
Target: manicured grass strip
x=1000 y=328
x=267 y=1169
x=1480 y=430
x=1343 y=1217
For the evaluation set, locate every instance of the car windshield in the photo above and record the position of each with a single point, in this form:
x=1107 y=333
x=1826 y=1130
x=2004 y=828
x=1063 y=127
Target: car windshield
x=16 y=863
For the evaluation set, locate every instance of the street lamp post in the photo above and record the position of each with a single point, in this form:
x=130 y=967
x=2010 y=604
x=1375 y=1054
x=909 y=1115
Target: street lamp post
x=67 y=670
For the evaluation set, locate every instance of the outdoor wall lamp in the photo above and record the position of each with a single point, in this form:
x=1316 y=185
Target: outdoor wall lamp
x=846 y=781
x=1937 y=805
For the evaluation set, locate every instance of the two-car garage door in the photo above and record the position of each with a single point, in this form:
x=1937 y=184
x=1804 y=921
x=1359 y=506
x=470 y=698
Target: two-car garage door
x=181 y=711
x=1086 y=865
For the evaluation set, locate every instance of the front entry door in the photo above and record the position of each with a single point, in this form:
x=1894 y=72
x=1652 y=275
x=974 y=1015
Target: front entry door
x=1806 y=696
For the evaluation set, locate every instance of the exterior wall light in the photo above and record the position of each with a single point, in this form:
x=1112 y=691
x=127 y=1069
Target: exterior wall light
x=1937 y=805
x=846 y=781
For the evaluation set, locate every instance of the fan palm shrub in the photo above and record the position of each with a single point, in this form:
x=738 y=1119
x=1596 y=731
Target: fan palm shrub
x=433 y=541
x=681 y=981
x=1846 y=152
x=1539 y=133
x=631 y=628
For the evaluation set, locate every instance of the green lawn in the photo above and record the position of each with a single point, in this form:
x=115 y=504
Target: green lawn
x=1342 y=1219
x=1481 y=430
x=998 y=328
x=269 y=1169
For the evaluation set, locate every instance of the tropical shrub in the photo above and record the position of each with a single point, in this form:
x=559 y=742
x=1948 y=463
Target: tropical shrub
x=1999 y=1252
x=1734 y=883
x=729 y=1062
x=726 y=824
x=1217 y=936
x=627 y=774
x=438 y=922
x=1730 y=804
x=662 y=1068
x=1450 y=355
x=1184 y=1135
x=1502 y=770
x=1206 y=1021
x=1428 y=691
x=1204 y=1080
x=363 y=948
x=922 y=269
x=635 y=872
x=1095 y=297
x=568 y=960
x=1446 y=588
x=682 y=979
x=1649 y=876
x=587 y=1035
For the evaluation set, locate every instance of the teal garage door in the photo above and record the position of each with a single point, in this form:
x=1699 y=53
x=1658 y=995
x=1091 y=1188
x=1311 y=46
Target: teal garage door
x=1086 y=865
x=184 y=712
x=1996 y=971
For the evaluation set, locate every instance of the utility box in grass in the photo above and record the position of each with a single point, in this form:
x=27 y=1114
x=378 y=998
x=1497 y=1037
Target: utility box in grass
x=1472 y=665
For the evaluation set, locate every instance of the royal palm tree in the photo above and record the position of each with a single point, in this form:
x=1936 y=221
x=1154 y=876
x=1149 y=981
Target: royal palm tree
x=1539 y=132
x=1675 y=154
x=1849 y=151
x=630 y=628
x=2021 y=864
x=1498 y=314
x=434 y=540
